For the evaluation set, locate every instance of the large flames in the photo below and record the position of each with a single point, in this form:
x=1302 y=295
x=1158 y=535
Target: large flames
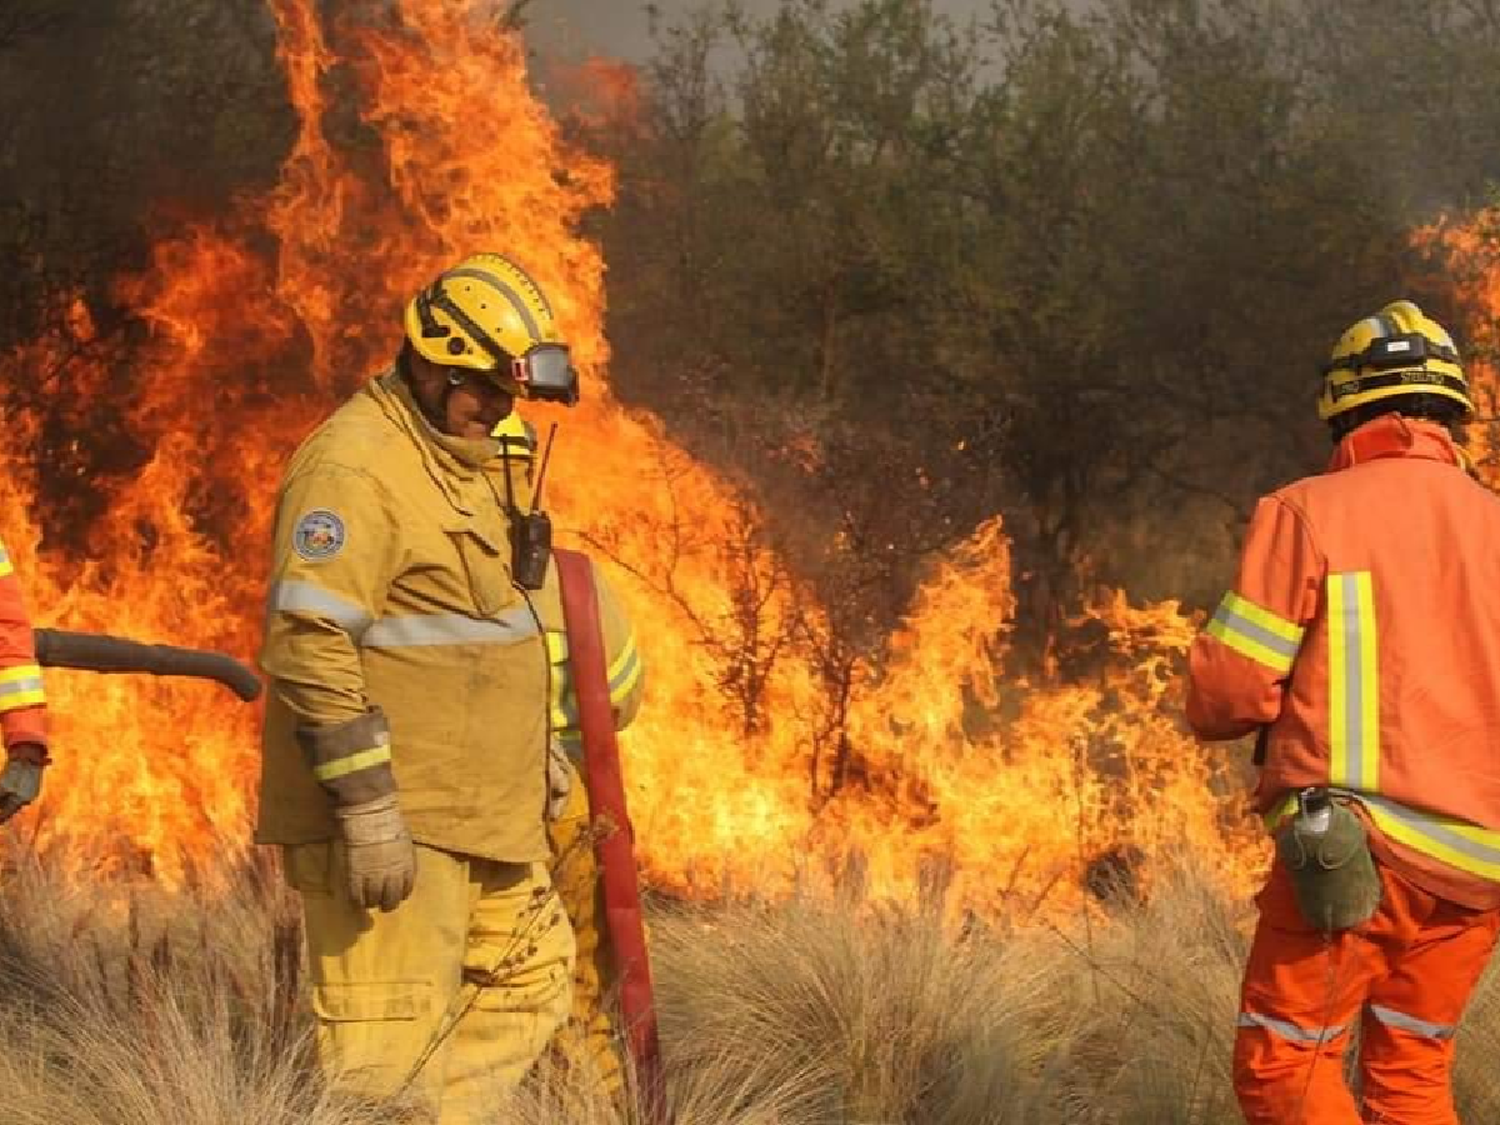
x=997 y=793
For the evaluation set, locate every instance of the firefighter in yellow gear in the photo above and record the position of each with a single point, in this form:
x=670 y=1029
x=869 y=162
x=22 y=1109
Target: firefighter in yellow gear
x=588 y=1041
x=405 y=751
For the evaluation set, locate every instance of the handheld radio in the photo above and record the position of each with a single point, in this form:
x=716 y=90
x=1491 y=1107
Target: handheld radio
x=530 y=532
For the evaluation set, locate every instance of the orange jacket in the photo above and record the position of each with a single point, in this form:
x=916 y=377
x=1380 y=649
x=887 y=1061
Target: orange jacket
x=1363 y=633
x=22 y=703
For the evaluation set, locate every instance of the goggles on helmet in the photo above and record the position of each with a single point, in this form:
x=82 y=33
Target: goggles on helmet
x=546 y=372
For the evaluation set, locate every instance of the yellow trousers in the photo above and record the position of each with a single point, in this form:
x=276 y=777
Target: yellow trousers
x=588 y=1041
x=452 y=996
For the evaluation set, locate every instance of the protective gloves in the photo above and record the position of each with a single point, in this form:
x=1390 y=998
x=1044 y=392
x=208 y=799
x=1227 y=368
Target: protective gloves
x=380 y=861
x=21 y=780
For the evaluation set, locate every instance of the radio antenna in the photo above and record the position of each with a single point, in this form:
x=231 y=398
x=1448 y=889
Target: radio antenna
x=541 y=473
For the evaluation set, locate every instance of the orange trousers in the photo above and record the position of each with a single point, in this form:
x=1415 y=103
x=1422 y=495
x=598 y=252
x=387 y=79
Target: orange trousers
x=1403 y=977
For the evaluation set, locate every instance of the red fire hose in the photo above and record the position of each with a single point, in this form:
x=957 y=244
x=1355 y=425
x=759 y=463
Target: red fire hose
x=614 y=839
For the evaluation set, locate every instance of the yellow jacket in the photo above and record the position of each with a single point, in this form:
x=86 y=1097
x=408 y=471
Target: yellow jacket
x=391 y=587
x=626 y=669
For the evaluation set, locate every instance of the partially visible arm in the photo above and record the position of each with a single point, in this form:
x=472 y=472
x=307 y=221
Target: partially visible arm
x=23 y=703
x=1238 y=666
x=624 y=665
x=335 y=555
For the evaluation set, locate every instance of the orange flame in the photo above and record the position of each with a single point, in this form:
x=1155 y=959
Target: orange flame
x=258 y=323
x=1467 y=250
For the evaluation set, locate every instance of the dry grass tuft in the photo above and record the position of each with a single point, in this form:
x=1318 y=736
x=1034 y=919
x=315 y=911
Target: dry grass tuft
x=141 y=1008
x=855 y=1015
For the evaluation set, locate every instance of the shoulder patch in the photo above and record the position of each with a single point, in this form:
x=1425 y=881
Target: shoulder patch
x=319 y=535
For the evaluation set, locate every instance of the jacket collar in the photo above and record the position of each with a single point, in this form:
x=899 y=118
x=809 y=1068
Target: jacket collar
x=452 y=462
x=1392 y=435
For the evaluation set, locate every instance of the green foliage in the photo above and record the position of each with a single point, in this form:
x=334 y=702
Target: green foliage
x=1080 y=268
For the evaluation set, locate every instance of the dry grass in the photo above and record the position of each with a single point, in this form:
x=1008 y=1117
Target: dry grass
x=144 y=1009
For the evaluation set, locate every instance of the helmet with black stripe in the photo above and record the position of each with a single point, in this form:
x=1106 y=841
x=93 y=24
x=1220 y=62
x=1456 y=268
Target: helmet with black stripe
x=517 y=437
x=487 y=314
x=1398 y=352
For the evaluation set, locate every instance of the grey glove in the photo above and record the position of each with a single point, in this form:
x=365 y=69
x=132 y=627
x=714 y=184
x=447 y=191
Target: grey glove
x=381 y=862
x=21 y=780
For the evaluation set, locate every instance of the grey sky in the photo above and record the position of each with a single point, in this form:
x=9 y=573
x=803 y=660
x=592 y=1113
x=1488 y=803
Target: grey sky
x=618 y=28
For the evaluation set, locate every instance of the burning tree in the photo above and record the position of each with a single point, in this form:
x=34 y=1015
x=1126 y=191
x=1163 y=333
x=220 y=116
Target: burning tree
x=418 y=140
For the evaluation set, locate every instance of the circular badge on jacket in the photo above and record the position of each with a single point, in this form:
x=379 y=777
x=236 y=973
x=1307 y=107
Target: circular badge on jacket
x=319 y=535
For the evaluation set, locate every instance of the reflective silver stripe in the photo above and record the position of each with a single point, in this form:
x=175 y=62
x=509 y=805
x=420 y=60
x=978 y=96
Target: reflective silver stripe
x=1434 y=832
x=626 y=668
x=292 y=595
x=1354 y=683
x=1290 y=1030
x=1258 y=633
x=1353 y=650
x=1392 y=1018
x=421 y=629
x=21 y=687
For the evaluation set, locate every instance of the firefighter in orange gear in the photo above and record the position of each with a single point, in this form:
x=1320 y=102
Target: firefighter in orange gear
x=23 y=704
x=588 y=1042
x=1362 y=641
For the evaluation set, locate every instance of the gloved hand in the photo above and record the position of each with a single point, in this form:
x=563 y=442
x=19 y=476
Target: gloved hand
x=21 y=780
x=561 y=776
x=381 y=863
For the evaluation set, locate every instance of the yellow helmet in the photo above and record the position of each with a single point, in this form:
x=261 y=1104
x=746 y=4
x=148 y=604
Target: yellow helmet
x=517 y=437
x=487 y=314
x=1398 y=351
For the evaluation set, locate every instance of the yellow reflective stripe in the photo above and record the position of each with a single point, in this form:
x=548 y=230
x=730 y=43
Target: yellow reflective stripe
x=1457 y=843
x=1338 y=683
x=1256 y=632
x=1288 y=631
x=1280 y=811
x=1353 y=683
x=21 y=686
x=6 y=569
x=20 y=672
x=1467 y=847
x=618 y=693
x=15 y=701
x=1368 y=742
x=352 y=763
x=564 y=706
x=626 y=655
x=1246 y=644
x=625 y=673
